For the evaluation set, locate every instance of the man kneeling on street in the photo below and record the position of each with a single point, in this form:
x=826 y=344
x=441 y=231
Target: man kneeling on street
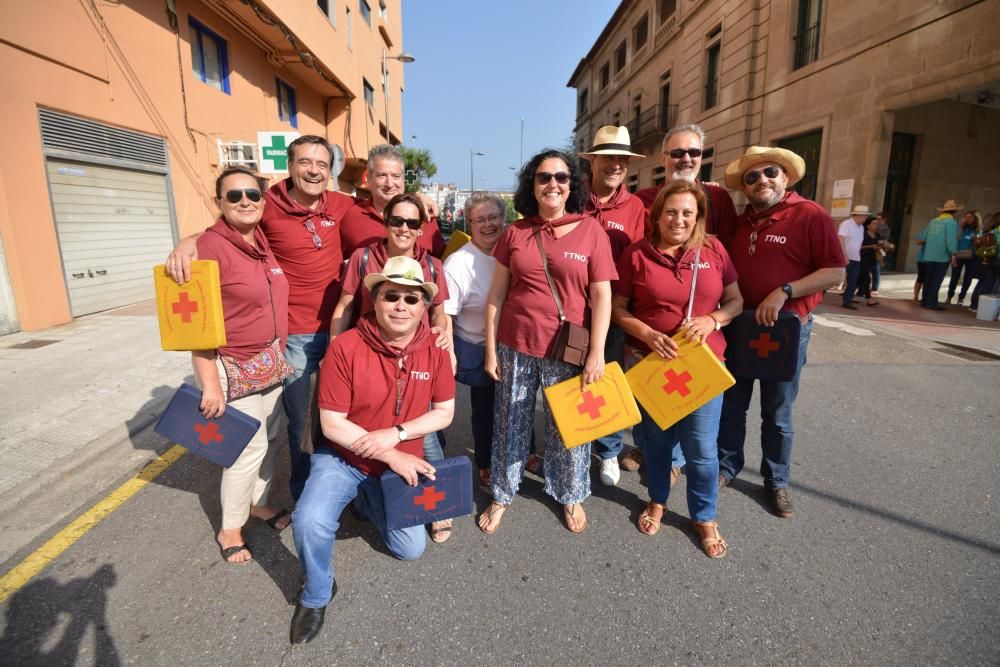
x=375 y=384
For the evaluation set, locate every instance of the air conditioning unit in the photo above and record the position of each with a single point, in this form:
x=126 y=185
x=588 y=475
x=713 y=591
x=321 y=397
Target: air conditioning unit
x=237 y=154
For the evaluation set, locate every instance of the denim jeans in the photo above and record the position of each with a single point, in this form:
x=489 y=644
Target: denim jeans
x=851 y=281
x=677 y=455
x=935 y=276
x=611 y=445
x=434 y=447
x=697 y=435
x=331 y=485
x=969 y=267
x=989 y=281
x=304 y=352
x=776 y=402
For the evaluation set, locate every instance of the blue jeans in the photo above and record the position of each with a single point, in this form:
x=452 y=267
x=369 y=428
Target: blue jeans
x=776 y=401
x=611 y=445
x=304 y=352
x=331 y=485
x=935 y=276
x=434 y=447
x=697 y=435
x=677 y=455
x=851 y=281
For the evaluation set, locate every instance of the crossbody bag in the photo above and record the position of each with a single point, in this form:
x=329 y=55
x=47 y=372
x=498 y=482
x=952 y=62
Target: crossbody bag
x=572 y=341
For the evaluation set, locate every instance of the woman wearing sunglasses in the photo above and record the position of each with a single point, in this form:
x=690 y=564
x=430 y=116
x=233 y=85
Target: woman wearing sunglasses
x=522 y=322
x=255 y=312
x=679 y=279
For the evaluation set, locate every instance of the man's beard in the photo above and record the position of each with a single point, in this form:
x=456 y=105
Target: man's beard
x=689 y=175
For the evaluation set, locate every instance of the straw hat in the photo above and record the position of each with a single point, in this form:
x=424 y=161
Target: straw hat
x=861 y=209
x=794 y=166
x=402 y=271
x=951 y=206
x=611 y=140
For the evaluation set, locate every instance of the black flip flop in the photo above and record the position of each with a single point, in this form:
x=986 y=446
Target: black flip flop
x=273 y=521
x=228 y=552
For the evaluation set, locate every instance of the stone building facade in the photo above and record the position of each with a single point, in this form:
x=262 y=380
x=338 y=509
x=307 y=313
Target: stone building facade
x=900 y=97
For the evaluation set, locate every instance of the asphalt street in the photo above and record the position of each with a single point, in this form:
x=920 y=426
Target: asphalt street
x=893 y=556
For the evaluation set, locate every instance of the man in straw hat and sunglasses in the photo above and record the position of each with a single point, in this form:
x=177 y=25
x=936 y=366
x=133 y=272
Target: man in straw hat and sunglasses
x=623 y=216
x=374 y=388
x=786 y=252
x=940 y=241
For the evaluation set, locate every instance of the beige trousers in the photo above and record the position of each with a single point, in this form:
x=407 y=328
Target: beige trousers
x=248 y=481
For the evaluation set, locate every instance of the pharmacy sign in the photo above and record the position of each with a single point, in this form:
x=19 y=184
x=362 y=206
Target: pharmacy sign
x=273 y=151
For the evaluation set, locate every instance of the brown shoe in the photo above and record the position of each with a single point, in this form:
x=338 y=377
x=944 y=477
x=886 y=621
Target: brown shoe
x=632 y=461
x=723 y=482
x=781 y=504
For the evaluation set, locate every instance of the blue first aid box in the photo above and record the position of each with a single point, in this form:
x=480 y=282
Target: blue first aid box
x=446 y=497
x=219 y=440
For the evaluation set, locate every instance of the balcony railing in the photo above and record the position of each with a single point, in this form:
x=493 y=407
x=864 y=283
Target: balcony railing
x=807 y=46
x=652 y=123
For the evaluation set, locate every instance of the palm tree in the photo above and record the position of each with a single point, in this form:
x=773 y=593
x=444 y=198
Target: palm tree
x=419 y=165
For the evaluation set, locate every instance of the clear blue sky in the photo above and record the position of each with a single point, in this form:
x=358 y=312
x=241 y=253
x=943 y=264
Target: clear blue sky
x=482 y=65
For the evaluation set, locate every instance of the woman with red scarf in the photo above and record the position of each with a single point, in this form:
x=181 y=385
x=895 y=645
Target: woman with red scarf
x=522 y=322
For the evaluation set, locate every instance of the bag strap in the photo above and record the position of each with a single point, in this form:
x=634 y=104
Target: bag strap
x=694 y=281
x=363 y=264
x=548 y=276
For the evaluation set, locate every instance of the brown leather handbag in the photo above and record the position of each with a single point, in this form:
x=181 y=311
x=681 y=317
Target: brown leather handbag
x=572 y=340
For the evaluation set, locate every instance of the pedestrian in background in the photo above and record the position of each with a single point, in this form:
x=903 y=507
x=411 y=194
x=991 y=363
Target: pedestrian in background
x=940 y=243
x=869 y=252
x=884 y=232
x=988 y=260
x=852 y=233
x=964 y=260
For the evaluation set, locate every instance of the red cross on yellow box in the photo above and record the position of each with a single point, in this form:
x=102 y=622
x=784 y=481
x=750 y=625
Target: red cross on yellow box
x=694 y=378
x=604 y=407
x=190 y=315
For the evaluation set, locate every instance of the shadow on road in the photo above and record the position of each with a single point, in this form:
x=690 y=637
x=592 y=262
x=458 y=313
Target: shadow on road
x=47 y=622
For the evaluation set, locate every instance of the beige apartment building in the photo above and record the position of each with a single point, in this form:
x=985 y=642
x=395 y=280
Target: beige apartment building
x=118 y=116
x=893 y=104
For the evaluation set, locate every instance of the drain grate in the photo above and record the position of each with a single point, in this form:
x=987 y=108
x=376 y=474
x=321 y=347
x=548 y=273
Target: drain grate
x=32 y=344
x=967 y=353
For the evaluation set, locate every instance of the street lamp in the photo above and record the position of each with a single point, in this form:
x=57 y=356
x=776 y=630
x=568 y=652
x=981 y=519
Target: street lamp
x=472 y=172
x=414 y=137
x=403 y=57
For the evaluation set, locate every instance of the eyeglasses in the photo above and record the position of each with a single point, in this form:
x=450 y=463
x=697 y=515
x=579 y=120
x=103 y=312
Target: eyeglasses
x=752 y=177
x=236 y=196
x=753 y=242
x=678 y=153
x=543 y=177
x=408 y=299
x=311 y=228
x=495 y=218
x=397 y=221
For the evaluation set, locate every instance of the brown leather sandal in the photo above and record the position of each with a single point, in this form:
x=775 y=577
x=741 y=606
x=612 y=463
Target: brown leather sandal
x=646 y=524
x=712 y=539
x=569 y=514
x=489 y=520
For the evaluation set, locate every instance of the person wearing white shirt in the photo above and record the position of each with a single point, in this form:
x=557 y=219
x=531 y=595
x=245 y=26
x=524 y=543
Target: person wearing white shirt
x=852 y=234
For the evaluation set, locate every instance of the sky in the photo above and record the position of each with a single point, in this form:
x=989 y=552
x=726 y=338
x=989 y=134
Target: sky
x=481 y=66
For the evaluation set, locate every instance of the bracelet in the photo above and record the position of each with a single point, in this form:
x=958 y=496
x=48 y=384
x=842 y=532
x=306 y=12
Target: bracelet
x=718 y=324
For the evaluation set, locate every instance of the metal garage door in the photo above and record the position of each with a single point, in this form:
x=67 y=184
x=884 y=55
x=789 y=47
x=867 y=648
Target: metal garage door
x=113 y=226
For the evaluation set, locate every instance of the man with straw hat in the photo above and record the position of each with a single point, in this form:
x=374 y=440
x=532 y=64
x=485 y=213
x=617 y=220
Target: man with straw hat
x=940 y=238
x=852 y=235
x=623 y=216
x=786 y=253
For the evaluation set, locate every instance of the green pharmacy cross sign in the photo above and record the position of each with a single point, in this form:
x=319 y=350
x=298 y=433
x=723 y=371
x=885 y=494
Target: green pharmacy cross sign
x=411 y=177
x=273 y=150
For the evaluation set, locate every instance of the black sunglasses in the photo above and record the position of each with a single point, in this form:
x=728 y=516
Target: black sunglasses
x=236 y=196
x=678 y=153
x=408 y=299
x=752 y=177
x=397 y=221
x=543 y=177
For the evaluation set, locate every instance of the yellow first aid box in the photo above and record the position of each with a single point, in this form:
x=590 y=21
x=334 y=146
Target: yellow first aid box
x=671 y=389
x=457 y=240
x=604 y=407
x=190 y=314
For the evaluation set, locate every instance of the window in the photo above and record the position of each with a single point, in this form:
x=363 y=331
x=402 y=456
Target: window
x=712 y=56
x=667 y=9
x=641 y=33
x=350 y=34
x=329 y=8
x=605 y=75
x=617 y=119
x=582 y=102
x=286 y=103
x=807 y=32
x=633 y=183
x=665 y=120
x=208 y=57
x=369 y=94
x=659 y=176
x=705 y=173
x=366 y=11
x=383 y=10
x=620 y=57
x=808 y=147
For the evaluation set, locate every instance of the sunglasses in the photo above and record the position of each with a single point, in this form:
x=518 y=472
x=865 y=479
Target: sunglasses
x=408 y=299
x=236 y=196
x=543 y=177
x=397 y=221
x=678 y=153
x=311 y=228
x=752 y=177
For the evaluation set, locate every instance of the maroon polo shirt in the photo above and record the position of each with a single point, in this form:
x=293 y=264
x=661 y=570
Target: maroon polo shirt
x=623 y=217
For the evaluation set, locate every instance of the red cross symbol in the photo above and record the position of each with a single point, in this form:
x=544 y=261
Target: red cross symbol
x=429 y=498
x=208 y=433
x=184 y=307
x=677 y=382
x=591 y=405
x=764 y=345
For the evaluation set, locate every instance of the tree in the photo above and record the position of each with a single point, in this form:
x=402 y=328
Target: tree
x=421 y=164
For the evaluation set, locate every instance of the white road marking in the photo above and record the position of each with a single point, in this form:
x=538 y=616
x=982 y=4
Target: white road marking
x=842 y=326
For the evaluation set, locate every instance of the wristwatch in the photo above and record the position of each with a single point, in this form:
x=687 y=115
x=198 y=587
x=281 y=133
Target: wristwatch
x=401 y=431
x=718 y=324
x=787 y=289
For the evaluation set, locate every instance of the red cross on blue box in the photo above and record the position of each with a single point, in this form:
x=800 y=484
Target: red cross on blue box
x=208 y=433
x=429 y=498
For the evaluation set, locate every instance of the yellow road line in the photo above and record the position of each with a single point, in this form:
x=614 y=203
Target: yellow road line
x=65 y=538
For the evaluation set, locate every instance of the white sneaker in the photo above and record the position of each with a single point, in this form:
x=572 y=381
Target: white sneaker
x=610 y=472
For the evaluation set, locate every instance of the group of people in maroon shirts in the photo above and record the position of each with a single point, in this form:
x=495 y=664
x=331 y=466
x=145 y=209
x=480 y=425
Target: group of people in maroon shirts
x=633 y=269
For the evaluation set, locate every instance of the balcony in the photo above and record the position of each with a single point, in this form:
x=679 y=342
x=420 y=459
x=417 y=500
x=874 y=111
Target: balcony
x=807 y=46
x=650 y=125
